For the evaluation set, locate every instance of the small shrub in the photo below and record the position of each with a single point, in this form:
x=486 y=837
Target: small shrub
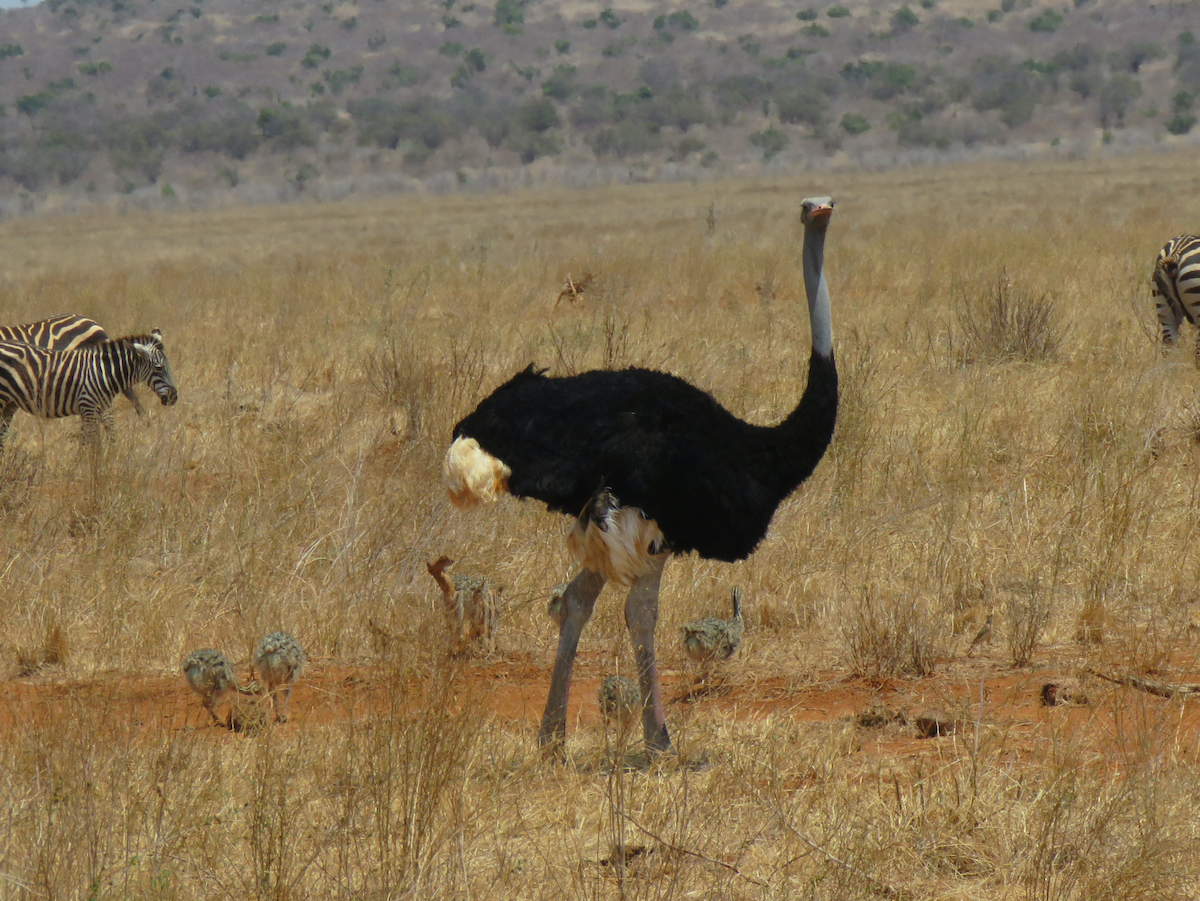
x=1047 y=21
x=898 y=637
x=451 y=49
x=610 y=18
x=375 y=41
x=351 y=23
x=995 y=15
x=315 y=55
x=904 y=19
x=1004 y=323
x=276 y=49
x=770 y=142
x=854 y=124
x=7 y=50
x=815 y=31
x=838 y=12
x=807 y=15
x=1181 y=123
x=509 y=13
x=562 y=47
x=590 y=23
x=475 y=59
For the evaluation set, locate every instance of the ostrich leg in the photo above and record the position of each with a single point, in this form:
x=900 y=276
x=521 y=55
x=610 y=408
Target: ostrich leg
x=641 y=617
x=578 y=601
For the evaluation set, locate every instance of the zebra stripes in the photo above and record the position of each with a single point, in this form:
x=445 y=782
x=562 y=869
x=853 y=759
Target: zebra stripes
x=66 y=332
x=81 y=382
x=56 y=333
x=1176 y=286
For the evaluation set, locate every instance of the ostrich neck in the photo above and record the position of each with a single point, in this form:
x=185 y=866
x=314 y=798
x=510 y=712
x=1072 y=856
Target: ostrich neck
x=818 y=292
x=798 y=443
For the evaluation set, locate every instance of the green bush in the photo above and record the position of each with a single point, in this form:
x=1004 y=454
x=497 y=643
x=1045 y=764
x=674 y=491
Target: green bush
x=610 y=18
x=315 y=55
x=451 y=49
x=838 y=12
x=212 y=92
x=339 y=78
x=562 y=47
x=1181 y=123
x=854 y=124
x=100 y=68
x=807 y=15
x=286 y=127
x=904 y=19
x=509 y=13
x=815 y=31
x=995 y=15
x=682 y=20
x=32 y=104
x=406 y=76
x=7 y=50
x=561 y=84
x=770 y=142
x=1047 y=21
x=276 y=49
x=475 y=59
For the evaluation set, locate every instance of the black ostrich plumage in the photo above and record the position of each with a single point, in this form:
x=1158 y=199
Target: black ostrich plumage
x=711 y=481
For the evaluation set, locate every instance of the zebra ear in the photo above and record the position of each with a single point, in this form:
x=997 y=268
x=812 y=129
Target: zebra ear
x=144 y=349
x=157 y=336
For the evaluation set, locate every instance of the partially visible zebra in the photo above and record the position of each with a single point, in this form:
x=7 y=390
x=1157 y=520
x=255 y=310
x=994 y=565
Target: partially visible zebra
x=80 y=382
x=66 y=332
x=1175 y=285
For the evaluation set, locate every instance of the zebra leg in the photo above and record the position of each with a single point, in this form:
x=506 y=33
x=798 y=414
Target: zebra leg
x=133 y=399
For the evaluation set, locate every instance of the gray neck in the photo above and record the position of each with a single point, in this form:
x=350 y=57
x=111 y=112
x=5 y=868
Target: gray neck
x=818 y=292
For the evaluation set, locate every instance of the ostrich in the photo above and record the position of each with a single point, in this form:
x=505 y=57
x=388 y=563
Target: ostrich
x=713 y=639
x=620 y=702
x=650 y=466
x=211 y=676
x=279 y=660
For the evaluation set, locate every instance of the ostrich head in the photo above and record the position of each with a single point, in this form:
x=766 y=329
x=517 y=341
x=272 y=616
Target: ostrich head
x=815 y=211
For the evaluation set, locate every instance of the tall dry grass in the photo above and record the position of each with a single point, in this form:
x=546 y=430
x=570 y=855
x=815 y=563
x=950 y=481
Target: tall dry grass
x=323 y=355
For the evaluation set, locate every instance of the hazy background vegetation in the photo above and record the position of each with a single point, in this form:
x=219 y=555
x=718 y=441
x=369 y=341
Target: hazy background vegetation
x=162 y=103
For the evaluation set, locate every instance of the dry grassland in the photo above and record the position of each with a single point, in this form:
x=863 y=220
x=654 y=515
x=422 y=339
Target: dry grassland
x=1040 y=460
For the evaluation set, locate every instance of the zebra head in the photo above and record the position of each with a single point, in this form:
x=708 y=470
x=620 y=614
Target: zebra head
x=159 y=375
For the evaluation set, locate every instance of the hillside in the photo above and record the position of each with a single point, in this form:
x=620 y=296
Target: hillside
x=258 y=100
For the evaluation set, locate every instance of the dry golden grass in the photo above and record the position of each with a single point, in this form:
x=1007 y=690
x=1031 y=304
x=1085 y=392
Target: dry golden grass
x=323 y=354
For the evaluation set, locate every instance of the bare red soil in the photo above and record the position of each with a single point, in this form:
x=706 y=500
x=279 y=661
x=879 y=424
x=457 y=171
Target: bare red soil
x=1116 y=723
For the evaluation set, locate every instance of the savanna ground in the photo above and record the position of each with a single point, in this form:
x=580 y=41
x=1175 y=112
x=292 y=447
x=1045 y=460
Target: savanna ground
x=1010 y=441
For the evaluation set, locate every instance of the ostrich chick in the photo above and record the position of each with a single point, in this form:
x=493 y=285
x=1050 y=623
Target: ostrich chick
x=712 y=639
x=470 y=604
x=279 y=660
x=555 y=608
x=620 y=702
x=211 y=676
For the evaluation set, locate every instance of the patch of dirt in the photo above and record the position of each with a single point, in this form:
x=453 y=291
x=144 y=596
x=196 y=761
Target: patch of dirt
x=513 y=689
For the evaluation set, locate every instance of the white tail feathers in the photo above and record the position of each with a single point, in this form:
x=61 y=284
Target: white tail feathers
x=621 y=547
x=473 y=476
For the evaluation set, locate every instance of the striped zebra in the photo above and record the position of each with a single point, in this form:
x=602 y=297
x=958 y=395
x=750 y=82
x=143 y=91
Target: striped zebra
x=81 y=382
x=66 y=332
x=1176 y=286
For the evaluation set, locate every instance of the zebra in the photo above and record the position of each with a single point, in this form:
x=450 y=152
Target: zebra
x=81 y=382
x=1175 y=285
x=66 y=332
